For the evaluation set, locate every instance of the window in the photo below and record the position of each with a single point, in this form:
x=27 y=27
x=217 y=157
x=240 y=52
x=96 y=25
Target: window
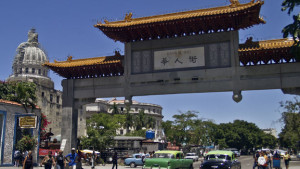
x=33 y=70
x=121 y=132
x=57 y=113
x=122 y=109
x=51 y=97
x=136 y=109
x=153 y=110
x=20 y=70
x=26 y=70
x=57 y=99
x=40 y=71
x=43 y=94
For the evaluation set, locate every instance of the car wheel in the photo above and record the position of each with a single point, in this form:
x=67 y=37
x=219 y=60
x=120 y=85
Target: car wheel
x=132 y=165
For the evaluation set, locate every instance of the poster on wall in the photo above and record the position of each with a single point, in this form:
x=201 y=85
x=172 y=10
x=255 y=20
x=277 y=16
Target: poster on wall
x=179 y=58
x=27 y=121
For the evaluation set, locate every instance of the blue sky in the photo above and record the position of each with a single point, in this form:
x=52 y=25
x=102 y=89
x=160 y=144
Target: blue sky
x=65 y=28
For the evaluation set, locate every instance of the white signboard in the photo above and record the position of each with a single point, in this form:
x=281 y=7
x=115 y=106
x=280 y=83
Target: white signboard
x=179 y=58
x=63 y=144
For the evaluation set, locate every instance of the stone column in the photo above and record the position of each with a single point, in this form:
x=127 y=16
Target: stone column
x=69 y=116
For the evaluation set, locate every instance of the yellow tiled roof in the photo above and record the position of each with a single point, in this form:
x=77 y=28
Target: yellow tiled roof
x=266 y=44
x=181 y=15
x=83 y=62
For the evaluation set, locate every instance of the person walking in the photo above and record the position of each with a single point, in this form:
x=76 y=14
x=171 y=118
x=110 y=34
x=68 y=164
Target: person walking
x=115 y=160
x=263 y=161
x=28 y=163
x=17 y=157
x=60 y=160
x=255 y=157
x=270 y=159
x=72 y=159
x=287 y=159
x=48 y=160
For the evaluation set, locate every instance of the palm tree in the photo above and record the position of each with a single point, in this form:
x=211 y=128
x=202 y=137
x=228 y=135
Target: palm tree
x=150 y=122
x=115 y=109
x=129 y=119
x=140 y=120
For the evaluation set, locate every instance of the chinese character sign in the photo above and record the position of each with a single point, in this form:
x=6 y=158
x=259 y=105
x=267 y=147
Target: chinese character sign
x=179 y=58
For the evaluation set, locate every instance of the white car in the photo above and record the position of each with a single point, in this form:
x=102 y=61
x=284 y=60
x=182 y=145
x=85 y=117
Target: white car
x=192 y=156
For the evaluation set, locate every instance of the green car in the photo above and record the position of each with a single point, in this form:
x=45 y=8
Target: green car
x=169 y=160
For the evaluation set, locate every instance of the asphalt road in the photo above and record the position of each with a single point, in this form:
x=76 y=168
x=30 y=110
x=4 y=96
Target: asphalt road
x=246 y=161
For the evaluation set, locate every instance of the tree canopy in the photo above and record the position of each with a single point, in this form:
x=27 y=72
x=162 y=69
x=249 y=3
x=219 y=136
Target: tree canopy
x=188 y=129
x=290 y=134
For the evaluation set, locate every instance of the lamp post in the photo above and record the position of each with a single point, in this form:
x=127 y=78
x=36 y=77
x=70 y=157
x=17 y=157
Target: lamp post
x=93 y=155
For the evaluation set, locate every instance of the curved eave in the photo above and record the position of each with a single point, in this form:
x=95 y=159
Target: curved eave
x=90 y=67
x=266 y=52
x=184 y=23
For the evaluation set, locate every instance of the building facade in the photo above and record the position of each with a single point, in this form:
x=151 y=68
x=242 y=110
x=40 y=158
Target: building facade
x=28 y=66
x=271 y=131
x=151 y=110
x=10 y=114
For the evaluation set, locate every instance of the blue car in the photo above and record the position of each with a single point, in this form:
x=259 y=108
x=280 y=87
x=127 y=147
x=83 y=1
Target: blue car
x=135 y=160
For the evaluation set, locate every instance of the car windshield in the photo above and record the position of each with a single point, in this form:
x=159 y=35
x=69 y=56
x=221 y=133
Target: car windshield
x=217 y=157
x=190 y=154
x=163 y=155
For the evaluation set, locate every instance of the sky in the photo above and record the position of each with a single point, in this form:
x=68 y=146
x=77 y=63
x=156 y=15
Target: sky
x=65 y=28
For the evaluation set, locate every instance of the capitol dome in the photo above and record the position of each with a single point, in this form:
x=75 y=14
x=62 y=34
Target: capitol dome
x=29 y=60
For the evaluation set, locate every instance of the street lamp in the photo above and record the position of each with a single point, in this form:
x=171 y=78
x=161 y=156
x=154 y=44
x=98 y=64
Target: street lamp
x=93 y=156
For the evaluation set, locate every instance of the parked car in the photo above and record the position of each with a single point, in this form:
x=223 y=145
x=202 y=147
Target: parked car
x=298 y=156
x=236 y=153
x=220 y=159
x=192 y=156
x=168 y=159
x=135 y=160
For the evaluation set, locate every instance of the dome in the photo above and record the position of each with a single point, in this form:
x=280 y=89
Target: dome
x=29 y=60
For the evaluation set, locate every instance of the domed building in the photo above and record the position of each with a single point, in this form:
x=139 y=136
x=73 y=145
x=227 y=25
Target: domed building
x=27 y=66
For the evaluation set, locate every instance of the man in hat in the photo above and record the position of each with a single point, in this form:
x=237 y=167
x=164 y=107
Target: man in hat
x=72 y=158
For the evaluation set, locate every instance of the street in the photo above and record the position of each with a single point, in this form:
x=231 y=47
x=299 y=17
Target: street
x=246 y=161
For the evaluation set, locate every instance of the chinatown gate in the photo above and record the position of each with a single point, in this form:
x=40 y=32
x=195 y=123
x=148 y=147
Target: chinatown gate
x=187 y=52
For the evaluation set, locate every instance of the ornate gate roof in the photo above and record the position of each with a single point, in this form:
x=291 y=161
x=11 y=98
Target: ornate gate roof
x=232 y=17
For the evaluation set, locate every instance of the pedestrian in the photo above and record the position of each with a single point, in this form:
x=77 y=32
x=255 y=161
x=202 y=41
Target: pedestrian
x=60 y=160
x=263 y=161
x=28 y=163
x=72 y=158
x=48 y=160
x=287 y=159
x=17 y=157
x=255 y=157
x=78 y=159
x=270 y=159
x=115 y=160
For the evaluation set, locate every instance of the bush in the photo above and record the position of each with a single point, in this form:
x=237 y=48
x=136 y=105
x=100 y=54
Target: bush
x=26 y=143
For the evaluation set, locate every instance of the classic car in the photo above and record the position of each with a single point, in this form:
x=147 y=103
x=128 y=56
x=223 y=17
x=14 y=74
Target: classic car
x=168 y=159
x=192 y=156
x=135 y=160
x=220 y=159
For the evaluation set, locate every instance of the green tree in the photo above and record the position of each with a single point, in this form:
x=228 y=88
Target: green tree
x=101 y=128
x=290 y=134
x=115 y=109
x=293 y=29
x=129 y=119
x=21 y=92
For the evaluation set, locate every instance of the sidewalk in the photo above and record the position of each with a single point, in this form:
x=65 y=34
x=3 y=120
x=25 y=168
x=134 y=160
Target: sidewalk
x=107 y=166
